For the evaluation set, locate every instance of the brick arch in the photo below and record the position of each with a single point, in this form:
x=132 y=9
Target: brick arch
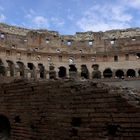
x=119 y=73
x=5 y=127
x=107 y=73
x=131 y=73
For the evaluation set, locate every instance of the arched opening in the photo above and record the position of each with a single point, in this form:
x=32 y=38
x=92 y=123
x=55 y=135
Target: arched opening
x=139 y=72
x=11 y=67
x=62 y=72
x=119 y=74
x=72 y=71
x=5 y=128
x=131 y=73
x=21 y=68
x=2 y=68
x=31 y=68
x=96 y=73
x=41 y=70
x=84 y=71
x=72 y=68
x=107 y=73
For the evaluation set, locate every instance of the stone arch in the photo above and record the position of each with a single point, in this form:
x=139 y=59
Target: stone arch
x=96 y=73
x=107 y=73
x=11 y=67
x=119 y=73
x=131 y=73
x=72 y=71
x=21 y=68
x=84 y=71
x=62 y=72
x=72 y=68
x=5 y=128
x=41 y=70
x=2 y=68
x=31 y=69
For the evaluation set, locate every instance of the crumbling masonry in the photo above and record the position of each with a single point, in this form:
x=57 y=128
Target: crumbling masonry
x=68 y=110
x=44 y=91
x=48 y=55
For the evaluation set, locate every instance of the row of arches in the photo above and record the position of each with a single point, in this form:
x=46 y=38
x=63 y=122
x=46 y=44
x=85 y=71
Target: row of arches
x=19 y=67
x=107 y=73
x=120 y=73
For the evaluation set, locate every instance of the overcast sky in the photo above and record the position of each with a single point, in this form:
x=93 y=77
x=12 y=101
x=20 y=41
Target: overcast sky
x=70 y=16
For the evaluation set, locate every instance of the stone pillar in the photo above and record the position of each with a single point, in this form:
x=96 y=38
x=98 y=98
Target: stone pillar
x=8 y=73
x=113 y=73
x=125 y=73
x=57 y=70
x=29 y=75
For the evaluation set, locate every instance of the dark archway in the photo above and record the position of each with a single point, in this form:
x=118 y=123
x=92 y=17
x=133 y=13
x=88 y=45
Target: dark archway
x=62 y=72
x=72 y=68
x=72 y=71
x=139 y=72
x=11 y=67
x=131 y=73
x=5 y=128
x=119 y=74
x=21 y=68
x=2 y=68
x=41 y=70
x=32 y=69
x=96 y=73
x=84 y=71
x=107 y=73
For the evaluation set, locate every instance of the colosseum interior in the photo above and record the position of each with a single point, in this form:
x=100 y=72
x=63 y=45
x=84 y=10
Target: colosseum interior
x=52 y=88
x=47 y=54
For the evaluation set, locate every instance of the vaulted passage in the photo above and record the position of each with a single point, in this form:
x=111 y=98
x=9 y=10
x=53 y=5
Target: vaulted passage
x=84 y=71
x=107 y=73
x=131 y=73
x=62 y=72
x=5 y=128
x=119 y=74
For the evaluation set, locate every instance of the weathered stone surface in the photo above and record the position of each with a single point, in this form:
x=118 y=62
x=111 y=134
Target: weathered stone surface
x=23 y=51
x=70 y=110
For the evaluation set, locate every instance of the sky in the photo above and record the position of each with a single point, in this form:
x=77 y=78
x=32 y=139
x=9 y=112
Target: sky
x=71 y=16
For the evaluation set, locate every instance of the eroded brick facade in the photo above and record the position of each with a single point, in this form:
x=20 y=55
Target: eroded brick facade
x=47 y=54
x=68 y=110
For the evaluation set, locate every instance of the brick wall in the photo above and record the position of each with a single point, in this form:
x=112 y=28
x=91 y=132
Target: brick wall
x=69 y=110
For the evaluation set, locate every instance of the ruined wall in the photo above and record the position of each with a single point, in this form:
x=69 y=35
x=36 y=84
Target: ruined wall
x=114 y=50
x=69 y=110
